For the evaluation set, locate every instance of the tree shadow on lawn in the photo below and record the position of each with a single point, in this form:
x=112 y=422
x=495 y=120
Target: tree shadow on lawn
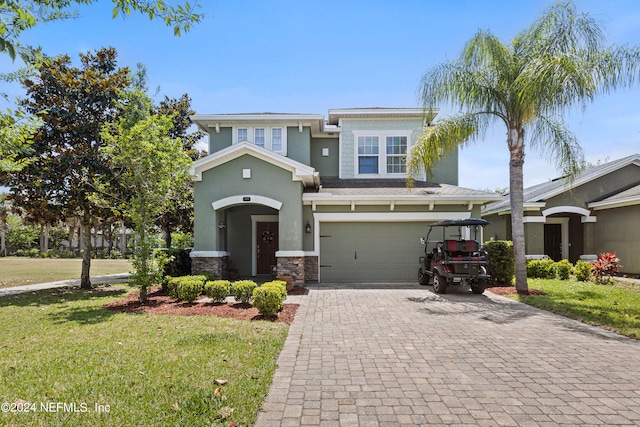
x=65 y=297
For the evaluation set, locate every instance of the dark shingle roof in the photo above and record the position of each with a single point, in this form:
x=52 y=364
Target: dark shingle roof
x=540 y=192
x=394 y=187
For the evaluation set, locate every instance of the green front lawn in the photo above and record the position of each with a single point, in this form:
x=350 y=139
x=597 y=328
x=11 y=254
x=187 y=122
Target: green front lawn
x=109 y=368
x=614 y=307
x=16 y=271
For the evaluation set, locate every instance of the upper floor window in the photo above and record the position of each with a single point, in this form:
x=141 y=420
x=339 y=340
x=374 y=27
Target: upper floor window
x=381 y=153
x=396 y=154
x=368 y=155
x=243 y=134
x=259 y=137
x=276 y=140
x=270 y=138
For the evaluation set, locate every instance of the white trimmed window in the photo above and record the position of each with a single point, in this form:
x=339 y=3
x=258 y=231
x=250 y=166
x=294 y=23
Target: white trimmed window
x=276 y=140
x=368 y=148
x=396 y=154
x=259 y=137
x=270 y=138
x=243 y=135
x=381 y=153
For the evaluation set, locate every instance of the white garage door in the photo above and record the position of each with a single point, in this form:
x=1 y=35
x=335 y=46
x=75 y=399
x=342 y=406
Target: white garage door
x=374 y=252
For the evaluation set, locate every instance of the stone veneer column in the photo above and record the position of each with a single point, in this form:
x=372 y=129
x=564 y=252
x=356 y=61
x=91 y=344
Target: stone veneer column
x=311 y=268
x=292 y=266
x=216 y=265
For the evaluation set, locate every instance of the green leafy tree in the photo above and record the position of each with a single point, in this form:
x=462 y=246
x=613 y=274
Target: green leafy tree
x=17 y=16
x=66 y=160
x=178 y=215
x=152 y=164
x=559 y=62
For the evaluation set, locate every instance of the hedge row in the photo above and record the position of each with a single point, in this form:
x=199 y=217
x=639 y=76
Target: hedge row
x=267 y=298
x=549 y=269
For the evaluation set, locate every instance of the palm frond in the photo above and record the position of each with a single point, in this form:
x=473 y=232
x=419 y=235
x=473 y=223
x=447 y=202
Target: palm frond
x=553 y=139
x=444 y=138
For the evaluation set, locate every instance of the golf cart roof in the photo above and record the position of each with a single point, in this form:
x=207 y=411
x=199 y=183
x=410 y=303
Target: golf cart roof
x=460 y=222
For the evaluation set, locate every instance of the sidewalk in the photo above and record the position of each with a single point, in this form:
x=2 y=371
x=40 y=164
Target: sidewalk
x=107 y=279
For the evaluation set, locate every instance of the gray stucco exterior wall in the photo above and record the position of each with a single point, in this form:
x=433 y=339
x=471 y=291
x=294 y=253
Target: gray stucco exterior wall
x=218 y=141
x=618 y=232
x=327 y=166
x=298 y=144
x=266 y=180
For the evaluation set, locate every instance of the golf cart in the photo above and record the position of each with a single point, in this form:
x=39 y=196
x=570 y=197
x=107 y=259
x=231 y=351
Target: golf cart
x=458 y=261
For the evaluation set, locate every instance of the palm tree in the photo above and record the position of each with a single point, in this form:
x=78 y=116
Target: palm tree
x=560 y=62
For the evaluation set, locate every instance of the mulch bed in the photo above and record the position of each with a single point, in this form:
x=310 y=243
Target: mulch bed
x=506 y=290
x=161 y=303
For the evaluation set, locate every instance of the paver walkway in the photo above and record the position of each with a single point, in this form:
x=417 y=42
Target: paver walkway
x=107 y=279
x=406 y=356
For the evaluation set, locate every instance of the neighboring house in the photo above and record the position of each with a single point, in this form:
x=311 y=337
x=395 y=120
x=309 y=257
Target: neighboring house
x=599 y=211
x=319 y=199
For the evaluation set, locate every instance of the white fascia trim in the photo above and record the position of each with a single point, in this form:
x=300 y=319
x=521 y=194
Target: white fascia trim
x=242 y=200
x=532 y=219
x=566 y=209
x=224 y=118
x=300 y=171
x=208 y=254
x=612 y=204
x=281 y=254
x=387 y=216
x=318 y=199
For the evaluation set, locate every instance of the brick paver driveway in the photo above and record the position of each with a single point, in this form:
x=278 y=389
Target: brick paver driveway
x=405 y=356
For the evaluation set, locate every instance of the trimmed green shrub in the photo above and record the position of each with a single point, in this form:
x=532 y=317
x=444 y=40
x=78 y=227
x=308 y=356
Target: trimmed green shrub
x=179 y=263
x=502 y=261
x=279 y=285
x=243 y=290
x=217 y=290
x=173 y=284
x=582 y=271
x=267 y=299
x=563 y=269
x=541 y=269
x=189 y=289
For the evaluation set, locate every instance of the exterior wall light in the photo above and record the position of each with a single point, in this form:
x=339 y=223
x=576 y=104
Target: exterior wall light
x=307 y=228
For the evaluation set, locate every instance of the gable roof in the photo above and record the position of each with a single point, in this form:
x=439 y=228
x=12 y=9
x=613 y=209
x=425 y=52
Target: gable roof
x=535 y=196
x=300 y=171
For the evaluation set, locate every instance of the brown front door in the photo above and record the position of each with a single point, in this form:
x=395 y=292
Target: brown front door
x=553 y=241
x=267 y=236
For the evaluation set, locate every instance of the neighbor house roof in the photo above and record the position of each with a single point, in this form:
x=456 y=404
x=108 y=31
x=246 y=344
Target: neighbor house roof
x=535 y=196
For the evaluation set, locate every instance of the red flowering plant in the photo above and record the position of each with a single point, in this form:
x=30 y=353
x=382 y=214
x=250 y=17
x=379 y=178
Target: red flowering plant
x=605 y=266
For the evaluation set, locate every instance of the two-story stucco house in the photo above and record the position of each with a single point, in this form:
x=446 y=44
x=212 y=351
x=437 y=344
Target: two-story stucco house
x=320 y=199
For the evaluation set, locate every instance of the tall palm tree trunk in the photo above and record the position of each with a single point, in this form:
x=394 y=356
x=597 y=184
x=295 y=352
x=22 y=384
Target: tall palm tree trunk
x=516 y=163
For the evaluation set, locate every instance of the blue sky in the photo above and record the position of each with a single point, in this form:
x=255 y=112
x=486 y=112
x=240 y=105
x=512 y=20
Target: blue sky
x=310 y=56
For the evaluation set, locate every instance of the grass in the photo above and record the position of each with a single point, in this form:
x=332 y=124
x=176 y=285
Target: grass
x=614 y=307
x=18 y=271
x=64 y=347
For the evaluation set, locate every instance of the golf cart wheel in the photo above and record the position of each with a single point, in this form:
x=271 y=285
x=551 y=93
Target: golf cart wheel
x=423 y=279
x=439 y=284
x=478 y=288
